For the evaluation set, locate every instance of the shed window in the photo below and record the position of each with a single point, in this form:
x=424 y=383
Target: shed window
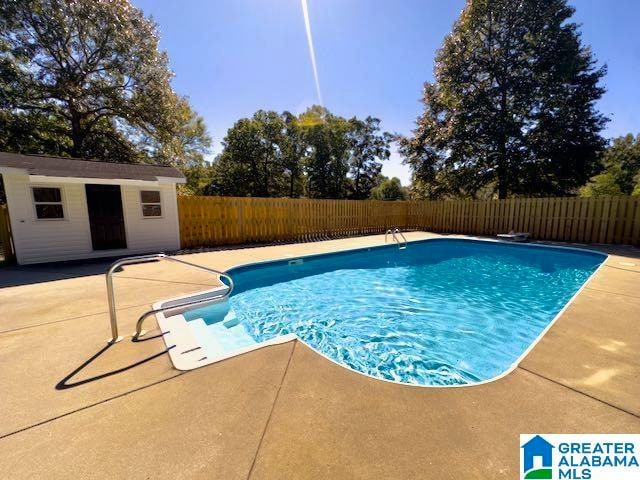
x=48 y=203
x=151 y=206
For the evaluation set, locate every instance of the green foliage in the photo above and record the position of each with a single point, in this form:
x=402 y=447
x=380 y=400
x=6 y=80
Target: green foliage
x=389 y=189
x=256 y=159
x=316 y=154
x=512 y=106
x=621 y=163
x=601 y=185
x=31 y=132
x=85 y=78
x=344 y=157
x=369 y=148
x=199 y=177
x=327 y=162
x=293 y=148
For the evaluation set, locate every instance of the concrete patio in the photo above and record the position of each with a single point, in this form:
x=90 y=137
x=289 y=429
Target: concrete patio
x=72 y=407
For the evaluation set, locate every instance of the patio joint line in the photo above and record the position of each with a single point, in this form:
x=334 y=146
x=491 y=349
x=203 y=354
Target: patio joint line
x=610 y=292
x=86 y=407
x=620 y=268
x=581 y=392
x=273 y=406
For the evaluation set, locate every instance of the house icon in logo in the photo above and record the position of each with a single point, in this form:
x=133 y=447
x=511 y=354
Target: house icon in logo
x=537 y=447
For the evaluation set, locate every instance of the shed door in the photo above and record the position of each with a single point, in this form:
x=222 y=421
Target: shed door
x=106 y=219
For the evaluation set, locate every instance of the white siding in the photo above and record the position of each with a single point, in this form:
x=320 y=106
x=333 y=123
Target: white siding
x=38 y=241
x=151 y=233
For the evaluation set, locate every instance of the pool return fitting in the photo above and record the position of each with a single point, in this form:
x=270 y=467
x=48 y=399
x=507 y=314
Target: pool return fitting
x=170 y=305
x=395 y=233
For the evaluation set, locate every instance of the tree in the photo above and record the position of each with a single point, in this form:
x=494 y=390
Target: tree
x=602 y=184
x=255 y=154
x=621 y=163
x=317 y=153
x=327 y=152
x=293 y=150
x=236 y=169
x=85 y=78
x=199 y=178
x=389 y=189
x=369 y=148
x=512 y=106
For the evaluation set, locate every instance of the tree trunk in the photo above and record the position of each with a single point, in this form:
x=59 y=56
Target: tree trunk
x=265 y=186
x=77 y=135
x=291 y=182
x=502 y=190
x=503 y=167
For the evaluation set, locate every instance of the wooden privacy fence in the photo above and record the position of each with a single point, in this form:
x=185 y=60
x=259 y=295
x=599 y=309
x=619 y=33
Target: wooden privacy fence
x=207 y=221
x=210 y=221
x=7 y=253
x=570 y=219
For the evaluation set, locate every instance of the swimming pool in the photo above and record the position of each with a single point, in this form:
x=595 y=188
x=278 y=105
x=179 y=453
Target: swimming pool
x=441 y=312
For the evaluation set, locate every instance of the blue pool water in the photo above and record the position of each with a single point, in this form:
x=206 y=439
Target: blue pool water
x=441 y=312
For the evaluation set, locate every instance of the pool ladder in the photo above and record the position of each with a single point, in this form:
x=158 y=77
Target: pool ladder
x=171 y=305
x=395 y=233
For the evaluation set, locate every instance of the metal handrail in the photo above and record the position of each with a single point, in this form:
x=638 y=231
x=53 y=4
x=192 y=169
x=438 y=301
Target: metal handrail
x=395 y=238
x=152 y=258
x=139 y=332
x=386 y=234
x=404 y=239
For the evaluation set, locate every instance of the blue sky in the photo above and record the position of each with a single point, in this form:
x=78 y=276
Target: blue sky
x=234 y=57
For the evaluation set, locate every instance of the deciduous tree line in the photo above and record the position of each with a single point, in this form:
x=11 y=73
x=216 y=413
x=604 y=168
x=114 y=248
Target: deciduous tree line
x=316 y=154
x=511 y=110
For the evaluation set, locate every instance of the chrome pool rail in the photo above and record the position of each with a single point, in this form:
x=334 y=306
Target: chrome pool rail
x=173 y=306
x=394 y=233
x=152 y=258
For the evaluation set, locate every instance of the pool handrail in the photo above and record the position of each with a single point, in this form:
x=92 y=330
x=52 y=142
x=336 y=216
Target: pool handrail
x=393 y=233
x=152 y=258
x=174 y=306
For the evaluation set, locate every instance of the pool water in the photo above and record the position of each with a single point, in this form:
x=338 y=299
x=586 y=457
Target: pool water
x=441 y=312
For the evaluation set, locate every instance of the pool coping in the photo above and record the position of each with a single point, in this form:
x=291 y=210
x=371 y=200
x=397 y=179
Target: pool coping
x=189 y=358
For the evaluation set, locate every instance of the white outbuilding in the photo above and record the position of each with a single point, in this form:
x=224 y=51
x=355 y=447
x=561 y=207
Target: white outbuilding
x=68 y=209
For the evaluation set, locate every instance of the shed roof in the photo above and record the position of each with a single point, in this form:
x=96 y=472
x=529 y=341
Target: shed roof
x=76 y=168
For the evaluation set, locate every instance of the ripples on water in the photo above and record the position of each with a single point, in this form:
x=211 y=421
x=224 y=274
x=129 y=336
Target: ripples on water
x=440 y=315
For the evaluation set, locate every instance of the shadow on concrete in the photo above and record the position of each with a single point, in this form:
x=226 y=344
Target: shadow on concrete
x=145 y=338
x=66 y=382
x=16 y=275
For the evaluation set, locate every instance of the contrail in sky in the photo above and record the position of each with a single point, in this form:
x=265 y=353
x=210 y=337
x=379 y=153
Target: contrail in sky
x=312 y=53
